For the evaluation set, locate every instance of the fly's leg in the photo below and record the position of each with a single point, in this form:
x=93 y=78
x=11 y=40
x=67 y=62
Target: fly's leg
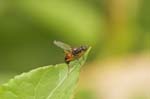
x=68 y=68
x=78 y=61
x=83 y=58
x=68 y=65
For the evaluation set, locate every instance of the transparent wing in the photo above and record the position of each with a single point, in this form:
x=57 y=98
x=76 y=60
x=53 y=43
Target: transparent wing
x=62 y=45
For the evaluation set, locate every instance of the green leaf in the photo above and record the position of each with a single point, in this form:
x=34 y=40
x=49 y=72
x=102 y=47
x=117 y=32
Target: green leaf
x=48 y=82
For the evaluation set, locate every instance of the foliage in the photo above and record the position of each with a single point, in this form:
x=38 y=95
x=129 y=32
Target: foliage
x=48 y=82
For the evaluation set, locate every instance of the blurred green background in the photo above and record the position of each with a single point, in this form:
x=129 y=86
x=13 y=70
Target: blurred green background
x=114 y=28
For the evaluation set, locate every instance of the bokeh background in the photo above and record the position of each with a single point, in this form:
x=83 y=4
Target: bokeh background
x=118 y=66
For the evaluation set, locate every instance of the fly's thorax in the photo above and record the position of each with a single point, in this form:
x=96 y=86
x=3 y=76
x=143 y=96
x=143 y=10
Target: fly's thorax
x=79 y=50
x=76 y=51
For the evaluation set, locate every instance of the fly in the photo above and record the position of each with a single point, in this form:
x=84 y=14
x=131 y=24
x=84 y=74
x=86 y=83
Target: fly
x=71 y=53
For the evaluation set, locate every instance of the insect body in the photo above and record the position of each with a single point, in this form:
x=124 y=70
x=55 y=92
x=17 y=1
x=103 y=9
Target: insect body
x=75 y=53
x=70 y=52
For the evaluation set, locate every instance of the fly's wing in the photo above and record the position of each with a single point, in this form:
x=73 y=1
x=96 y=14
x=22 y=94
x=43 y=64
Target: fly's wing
x=62 y=45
